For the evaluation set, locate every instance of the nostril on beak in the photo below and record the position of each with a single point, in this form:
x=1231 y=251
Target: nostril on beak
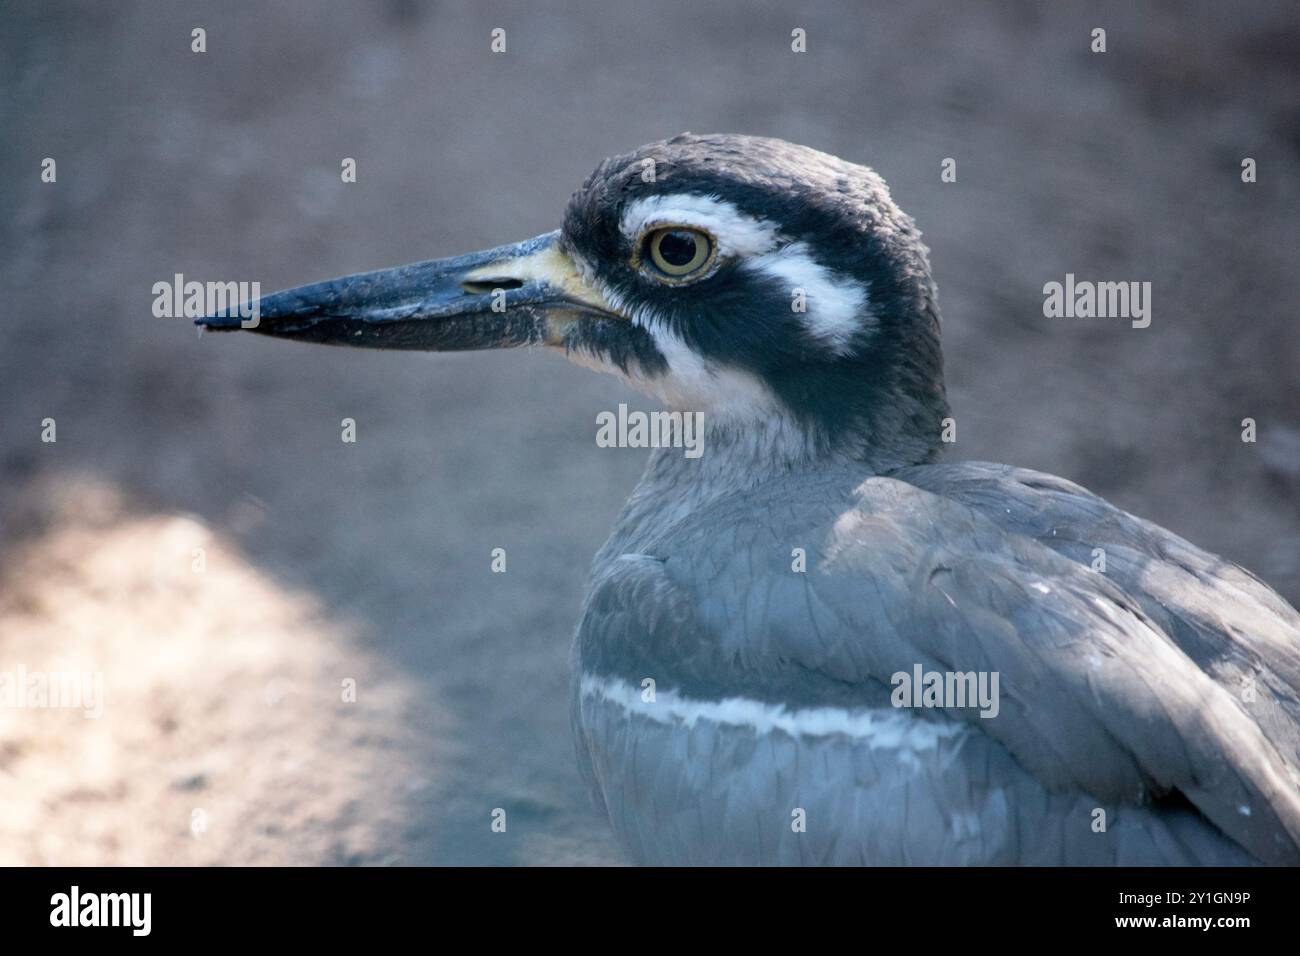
x=485 y=286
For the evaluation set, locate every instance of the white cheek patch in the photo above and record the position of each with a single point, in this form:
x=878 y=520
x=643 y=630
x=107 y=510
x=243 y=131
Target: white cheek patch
x=736 y=233
x=692 y=383
x=835 y=307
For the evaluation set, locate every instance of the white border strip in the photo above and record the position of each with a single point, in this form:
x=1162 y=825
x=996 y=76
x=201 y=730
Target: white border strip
x=885 y=727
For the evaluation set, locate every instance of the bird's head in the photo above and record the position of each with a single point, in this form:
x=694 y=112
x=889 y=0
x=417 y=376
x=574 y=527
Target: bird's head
x=758 y=282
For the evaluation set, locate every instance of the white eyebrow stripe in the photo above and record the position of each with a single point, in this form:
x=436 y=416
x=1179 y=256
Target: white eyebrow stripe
x=737 y=234
x=836 y=306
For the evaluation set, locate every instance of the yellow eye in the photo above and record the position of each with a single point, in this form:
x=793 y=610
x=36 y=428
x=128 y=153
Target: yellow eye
x=678 y=252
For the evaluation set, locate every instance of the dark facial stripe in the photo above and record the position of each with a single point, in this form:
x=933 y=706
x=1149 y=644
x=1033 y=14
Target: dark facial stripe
x=618 y=342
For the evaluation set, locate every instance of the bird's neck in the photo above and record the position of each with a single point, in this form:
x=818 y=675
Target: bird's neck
x=734 y=458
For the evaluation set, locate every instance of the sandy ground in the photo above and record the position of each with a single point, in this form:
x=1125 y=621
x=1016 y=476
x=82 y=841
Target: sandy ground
x=225 y=736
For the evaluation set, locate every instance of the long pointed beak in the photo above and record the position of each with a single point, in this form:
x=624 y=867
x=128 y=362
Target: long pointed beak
x=522 y=294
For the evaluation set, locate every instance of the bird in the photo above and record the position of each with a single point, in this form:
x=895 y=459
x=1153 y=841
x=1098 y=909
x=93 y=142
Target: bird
x=741 y=664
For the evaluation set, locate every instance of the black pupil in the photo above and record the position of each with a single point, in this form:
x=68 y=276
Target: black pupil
x=677 y=248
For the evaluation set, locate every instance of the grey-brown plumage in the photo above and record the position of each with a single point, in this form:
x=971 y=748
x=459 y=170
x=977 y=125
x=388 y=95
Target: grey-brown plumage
x=1121 y=691
x=1149 y=712
x=739 y=645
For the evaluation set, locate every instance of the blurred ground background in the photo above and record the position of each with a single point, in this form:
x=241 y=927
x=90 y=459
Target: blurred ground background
x=328 y=561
